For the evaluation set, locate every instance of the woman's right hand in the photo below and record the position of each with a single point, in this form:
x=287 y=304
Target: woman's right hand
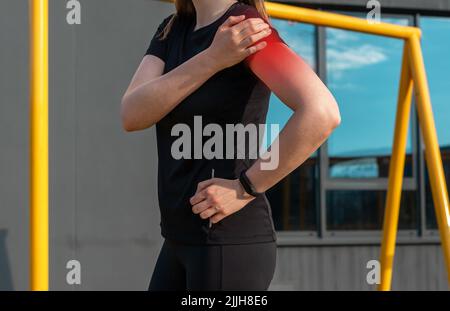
x=234 y=40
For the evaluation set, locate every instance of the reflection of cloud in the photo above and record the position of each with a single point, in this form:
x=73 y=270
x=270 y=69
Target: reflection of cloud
x=355 y=168
x=346 y=51
x=336 y=37
x=354 y=57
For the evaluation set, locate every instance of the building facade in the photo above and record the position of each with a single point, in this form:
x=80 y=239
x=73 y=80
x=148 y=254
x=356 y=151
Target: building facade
x=328 y=213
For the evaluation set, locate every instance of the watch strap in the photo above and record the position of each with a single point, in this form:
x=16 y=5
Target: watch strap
x=247 y=184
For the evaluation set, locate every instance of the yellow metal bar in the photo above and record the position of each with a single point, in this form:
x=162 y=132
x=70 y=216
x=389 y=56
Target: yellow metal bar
x=39 y=144
x=396 y=170
x=320 y=18
x=432 y=151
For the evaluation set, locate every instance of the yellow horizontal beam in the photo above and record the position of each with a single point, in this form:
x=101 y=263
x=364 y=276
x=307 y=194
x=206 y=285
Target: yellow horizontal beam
x=326 y=19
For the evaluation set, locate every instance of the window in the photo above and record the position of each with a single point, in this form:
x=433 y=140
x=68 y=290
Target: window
x=293 y=199
x=364 y=210
x=363 y=74
x=436 y=44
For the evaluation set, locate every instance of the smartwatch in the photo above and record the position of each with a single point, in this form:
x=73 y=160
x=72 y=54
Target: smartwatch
x=247 y=185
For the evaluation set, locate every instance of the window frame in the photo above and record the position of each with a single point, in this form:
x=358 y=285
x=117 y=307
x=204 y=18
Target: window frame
x=322 y=236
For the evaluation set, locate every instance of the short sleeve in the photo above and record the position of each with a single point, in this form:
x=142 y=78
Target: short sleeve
x=251 y=12
x=158 y=46
x=273 y=38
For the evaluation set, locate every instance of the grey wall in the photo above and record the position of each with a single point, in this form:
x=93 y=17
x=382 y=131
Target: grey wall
x=13 y=144
x=344 y=268
x=103 y=203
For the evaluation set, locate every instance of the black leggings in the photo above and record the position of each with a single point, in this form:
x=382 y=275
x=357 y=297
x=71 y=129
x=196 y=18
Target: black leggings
x=214 y=267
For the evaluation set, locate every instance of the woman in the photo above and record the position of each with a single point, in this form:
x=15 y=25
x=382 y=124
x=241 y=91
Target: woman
x=219 y=60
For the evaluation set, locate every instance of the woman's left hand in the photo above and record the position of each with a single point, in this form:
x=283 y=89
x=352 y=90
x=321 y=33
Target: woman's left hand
x=218 y=198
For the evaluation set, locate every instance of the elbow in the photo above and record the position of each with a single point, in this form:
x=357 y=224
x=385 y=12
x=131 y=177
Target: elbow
x=335 y=117
x=128 y=124
x=131 y=119
x=330 y=117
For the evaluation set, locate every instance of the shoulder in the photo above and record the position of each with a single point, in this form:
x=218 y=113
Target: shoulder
x=167 y=19
x=172 y=18
x=251 y=12
x=244 y=9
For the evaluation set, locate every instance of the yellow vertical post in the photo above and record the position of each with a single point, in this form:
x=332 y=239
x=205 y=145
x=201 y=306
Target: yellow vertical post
x=39 y=144
x=396 y=169
x=432 y=151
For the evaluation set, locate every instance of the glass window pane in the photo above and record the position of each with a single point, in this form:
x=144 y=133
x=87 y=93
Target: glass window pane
x=363 y=73
x=293 y=199
x=436 y=47
x=364 y=210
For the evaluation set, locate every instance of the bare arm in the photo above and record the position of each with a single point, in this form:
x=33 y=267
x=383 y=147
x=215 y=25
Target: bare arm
x=152 y=94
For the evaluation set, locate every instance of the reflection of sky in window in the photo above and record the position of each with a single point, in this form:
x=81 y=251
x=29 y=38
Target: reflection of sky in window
x=436 y=50
x=300 y=38
x=363 y=73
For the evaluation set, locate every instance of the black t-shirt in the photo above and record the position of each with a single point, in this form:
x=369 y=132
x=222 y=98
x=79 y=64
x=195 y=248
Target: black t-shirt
x=232 y=96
